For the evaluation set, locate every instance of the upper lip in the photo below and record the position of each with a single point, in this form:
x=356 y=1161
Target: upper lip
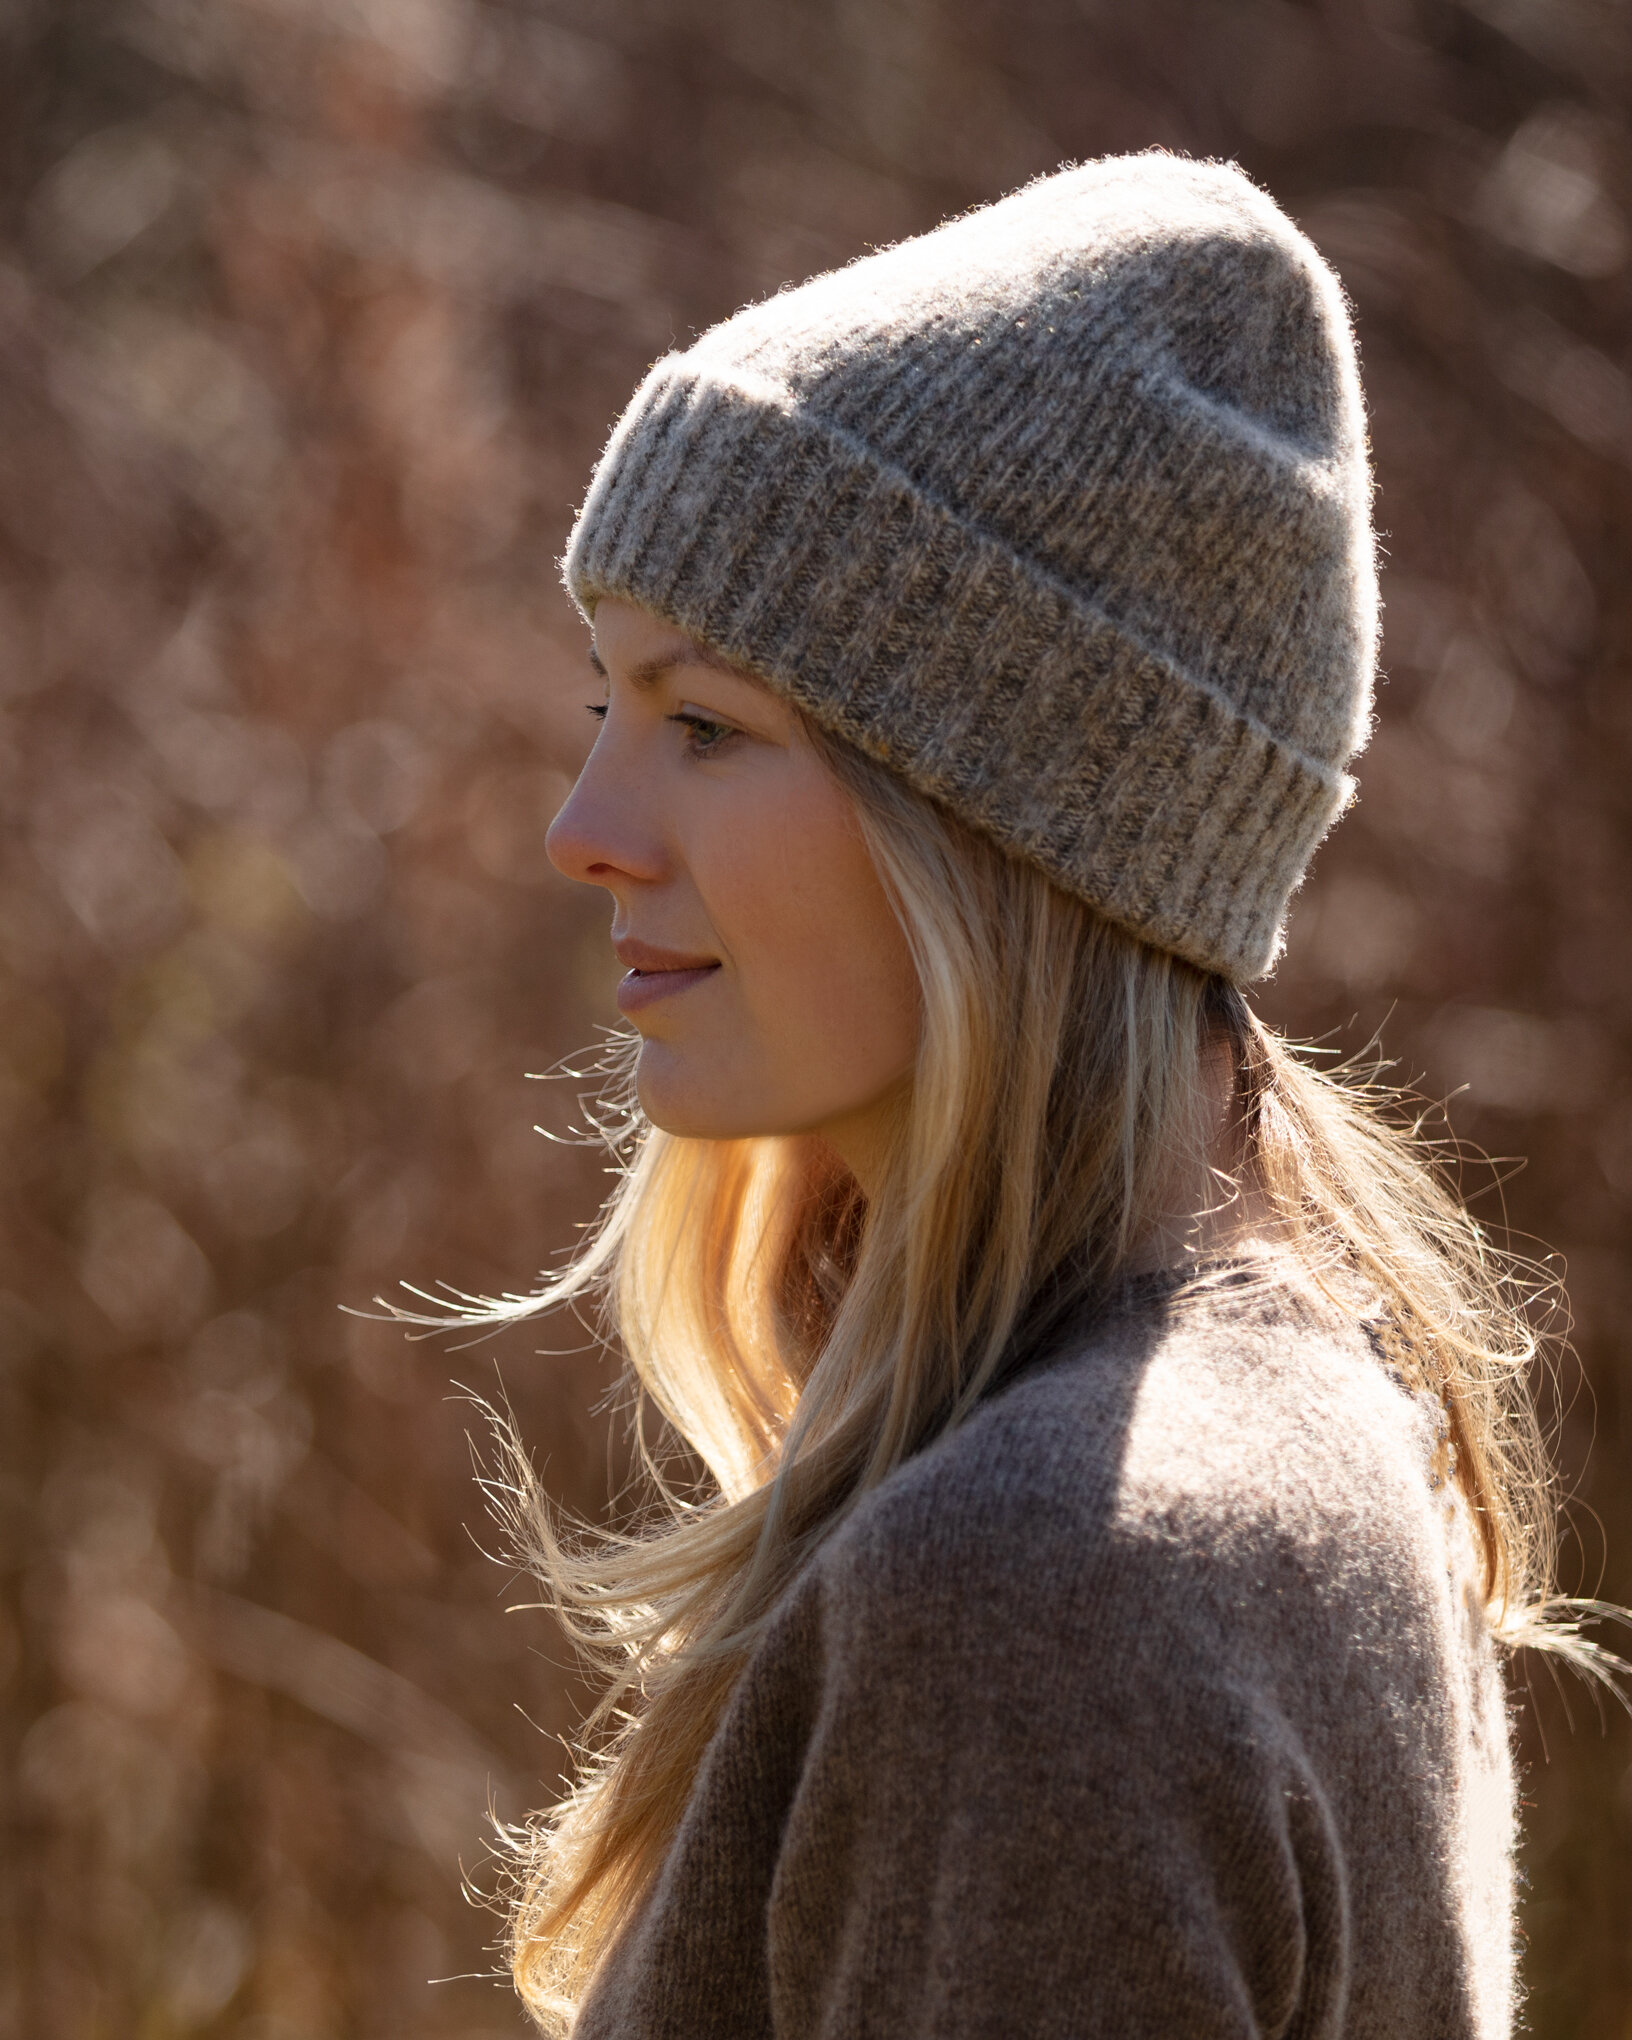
x=643 y=956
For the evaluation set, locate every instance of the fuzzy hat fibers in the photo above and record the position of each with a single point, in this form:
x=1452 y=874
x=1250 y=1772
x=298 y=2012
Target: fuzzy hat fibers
x=1061 y=511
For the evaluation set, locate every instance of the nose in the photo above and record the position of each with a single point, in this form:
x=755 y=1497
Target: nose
x=606 y=833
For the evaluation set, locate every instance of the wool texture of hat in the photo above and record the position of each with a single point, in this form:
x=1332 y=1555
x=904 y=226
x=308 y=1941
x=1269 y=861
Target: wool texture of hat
x=1063 y=512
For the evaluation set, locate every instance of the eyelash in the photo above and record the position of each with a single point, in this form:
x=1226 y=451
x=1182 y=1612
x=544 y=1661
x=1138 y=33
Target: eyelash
x=697 y=743
x=694 y=725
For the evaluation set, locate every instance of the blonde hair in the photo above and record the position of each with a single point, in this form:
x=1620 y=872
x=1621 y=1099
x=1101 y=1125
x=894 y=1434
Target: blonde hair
x=802 y=1341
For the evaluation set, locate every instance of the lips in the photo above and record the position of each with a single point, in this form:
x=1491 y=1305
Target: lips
x=657 y=973
x=648 y=959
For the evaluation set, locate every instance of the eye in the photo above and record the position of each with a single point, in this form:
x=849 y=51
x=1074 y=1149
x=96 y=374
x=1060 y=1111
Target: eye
x=705 y=738
x=597 y=709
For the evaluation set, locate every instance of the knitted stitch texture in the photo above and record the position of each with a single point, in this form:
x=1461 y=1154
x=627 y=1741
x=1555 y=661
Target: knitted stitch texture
x=1154 y=1703
x=1062 y=511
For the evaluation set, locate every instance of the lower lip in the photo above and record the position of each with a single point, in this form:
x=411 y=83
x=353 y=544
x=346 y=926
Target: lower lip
x=643 y=988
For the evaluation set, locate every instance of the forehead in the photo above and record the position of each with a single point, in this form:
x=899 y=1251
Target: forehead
x=640 y=646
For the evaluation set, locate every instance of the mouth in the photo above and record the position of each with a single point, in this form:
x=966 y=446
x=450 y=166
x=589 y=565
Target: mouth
x=657 y=974
x=642 y=988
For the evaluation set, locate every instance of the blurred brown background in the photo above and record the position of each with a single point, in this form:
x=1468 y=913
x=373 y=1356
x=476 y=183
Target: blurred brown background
x=314 y=315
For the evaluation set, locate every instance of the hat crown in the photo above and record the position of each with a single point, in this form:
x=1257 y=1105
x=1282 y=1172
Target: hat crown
x=1094 y=454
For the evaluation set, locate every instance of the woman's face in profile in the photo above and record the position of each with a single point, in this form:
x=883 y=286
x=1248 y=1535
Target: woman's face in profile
x=768 y=978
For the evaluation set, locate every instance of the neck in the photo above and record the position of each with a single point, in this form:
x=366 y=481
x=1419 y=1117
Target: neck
x=861 y=1139
x=1219 y=1205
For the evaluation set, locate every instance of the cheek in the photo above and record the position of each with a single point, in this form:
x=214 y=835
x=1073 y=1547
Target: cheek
x=822 y=967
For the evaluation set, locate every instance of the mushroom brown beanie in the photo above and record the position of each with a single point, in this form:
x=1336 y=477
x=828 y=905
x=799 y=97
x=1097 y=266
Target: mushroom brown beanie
x=1062 y=511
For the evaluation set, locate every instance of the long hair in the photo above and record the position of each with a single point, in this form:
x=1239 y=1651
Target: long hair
x=801 y=1340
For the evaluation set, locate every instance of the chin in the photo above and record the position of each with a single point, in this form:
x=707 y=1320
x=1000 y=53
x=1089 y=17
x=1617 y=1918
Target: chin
x=697 y=1105
x=674 y=1102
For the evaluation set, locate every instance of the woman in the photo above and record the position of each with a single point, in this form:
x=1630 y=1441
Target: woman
x=1119 y=1473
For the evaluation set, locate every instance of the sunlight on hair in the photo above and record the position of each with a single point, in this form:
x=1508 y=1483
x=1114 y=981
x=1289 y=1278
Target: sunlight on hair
x=803 y=1343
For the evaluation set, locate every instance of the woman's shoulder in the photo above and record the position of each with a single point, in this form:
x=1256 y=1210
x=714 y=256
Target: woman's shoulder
x=1231 y=1436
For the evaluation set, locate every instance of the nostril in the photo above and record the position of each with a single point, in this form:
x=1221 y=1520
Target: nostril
x=583 y=850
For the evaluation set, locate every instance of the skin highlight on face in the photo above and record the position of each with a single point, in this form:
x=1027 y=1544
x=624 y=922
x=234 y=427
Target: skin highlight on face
x=769 y=979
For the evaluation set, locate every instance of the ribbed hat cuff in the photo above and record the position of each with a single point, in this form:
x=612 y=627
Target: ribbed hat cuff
x=788 y=545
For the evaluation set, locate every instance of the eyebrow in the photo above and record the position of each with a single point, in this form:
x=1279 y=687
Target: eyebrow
x=683 y=655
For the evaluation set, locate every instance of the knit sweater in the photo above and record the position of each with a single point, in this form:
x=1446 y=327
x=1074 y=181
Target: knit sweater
x=1153 y=1701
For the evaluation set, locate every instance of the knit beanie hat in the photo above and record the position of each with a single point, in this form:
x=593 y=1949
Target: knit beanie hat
x=1062 y=511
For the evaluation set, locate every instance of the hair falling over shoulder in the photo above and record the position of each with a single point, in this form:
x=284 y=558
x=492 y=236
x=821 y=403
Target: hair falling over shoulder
x=802 y=1342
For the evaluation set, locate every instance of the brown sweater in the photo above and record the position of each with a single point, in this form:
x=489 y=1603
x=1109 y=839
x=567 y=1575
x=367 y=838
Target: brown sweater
x=1154 y=1701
